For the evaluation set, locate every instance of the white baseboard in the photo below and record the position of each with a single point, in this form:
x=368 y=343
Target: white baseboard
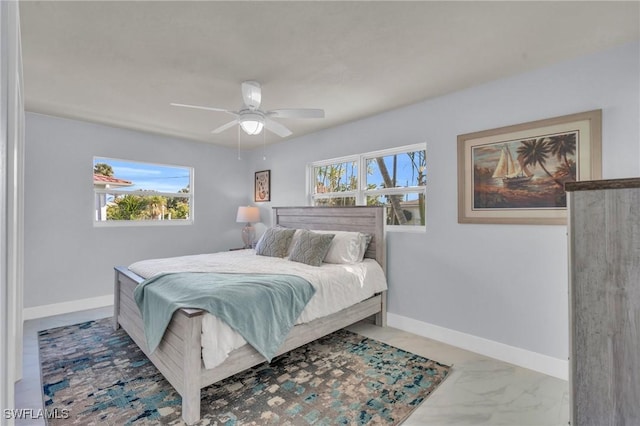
x=532 y=360
x=521 y=357
x=67 y=307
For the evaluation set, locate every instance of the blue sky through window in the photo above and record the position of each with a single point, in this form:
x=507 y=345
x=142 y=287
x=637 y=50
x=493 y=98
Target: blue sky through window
x=408 y=168
x=405 y=171
x=146 y=176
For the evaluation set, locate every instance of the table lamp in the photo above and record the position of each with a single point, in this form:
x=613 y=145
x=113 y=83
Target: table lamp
x=248 y=215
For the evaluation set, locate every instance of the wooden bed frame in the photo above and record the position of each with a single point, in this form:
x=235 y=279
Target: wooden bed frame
x=179 y=358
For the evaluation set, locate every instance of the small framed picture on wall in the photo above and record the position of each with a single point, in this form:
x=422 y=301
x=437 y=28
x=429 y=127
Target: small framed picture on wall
x=262 y=190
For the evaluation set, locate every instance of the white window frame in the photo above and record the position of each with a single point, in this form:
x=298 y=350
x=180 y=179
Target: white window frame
x=361 y=193
x=178 y=222
x=328 y=195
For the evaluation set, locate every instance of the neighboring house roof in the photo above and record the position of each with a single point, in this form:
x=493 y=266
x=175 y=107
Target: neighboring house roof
x=109 y=181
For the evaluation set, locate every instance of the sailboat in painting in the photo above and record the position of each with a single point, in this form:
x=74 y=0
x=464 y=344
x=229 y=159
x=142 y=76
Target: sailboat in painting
x=512 y=173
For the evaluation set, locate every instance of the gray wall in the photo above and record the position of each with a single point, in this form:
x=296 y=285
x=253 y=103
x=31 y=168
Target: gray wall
x=66 y=257
x=506 y=283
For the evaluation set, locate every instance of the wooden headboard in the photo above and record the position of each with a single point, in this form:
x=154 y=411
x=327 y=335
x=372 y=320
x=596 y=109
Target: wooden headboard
x=365 y=219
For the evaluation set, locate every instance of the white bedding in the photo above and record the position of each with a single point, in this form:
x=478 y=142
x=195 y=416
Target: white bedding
x=337 y=287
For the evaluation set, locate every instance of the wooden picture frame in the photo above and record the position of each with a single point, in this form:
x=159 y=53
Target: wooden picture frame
x=262 y=186
x=516 y=174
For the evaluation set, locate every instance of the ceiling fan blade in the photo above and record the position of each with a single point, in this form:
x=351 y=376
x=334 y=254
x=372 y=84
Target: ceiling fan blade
x=204 y=108
x=276 y=128
x=251 y=94
x=297 y=113
x=198 y=107
x=225 y=126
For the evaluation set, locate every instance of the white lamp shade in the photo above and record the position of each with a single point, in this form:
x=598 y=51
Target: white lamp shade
x=248 y=214
x=251 y=123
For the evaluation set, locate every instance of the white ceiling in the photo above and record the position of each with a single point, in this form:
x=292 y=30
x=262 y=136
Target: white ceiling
x=123 y=62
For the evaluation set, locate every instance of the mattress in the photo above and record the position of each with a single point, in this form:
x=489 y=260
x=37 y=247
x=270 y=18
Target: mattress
x=338 y=286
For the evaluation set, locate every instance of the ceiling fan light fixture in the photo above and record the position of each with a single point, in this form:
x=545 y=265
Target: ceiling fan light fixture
x=252 y=123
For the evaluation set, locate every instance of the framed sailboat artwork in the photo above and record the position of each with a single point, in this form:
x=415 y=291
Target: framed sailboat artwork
x=516 y=174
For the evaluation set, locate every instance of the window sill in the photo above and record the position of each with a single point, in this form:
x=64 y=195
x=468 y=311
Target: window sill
x=127 y=223
x=406 y=228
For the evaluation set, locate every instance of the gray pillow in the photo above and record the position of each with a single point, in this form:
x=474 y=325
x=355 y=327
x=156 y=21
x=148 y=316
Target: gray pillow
x=311 y=248
x=275 y=242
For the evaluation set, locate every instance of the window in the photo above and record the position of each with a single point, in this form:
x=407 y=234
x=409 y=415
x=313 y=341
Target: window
x=335 y=183
x=128 y=192
x=395 y=178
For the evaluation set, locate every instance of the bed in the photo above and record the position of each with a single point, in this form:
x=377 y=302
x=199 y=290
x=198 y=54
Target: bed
x=179 y=355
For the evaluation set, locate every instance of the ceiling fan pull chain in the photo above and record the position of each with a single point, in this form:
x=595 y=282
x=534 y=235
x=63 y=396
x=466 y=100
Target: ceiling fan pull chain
x=264 y=146
x=239 y=158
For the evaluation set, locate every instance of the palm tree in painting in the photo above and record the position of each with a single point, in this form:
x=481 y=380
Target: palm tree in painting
x=565 y=172
x=562 y=146
x=534 y=152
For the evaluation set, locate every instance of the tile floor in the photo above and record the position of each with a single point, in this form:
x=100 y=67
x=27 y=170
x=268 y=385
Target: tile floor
x=479 y=391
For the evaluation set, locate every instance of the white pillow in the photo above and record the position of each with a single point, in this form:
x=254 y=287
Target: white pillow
x=346 y=246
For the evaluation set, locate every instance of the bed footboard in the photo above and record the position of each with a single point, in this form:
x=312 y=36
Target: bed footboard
x=178 y=357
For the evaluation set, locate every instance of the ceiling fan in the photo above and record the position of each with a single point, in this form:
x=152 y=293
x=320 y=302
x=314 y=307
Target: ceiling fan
x=252 y=119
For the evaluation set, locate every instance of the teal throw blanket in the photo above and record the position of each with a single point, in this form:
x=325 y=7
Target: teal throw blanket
x=262 y=308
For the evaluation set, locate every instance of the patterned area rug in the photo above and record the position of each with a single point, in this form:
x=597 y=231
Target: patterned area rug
x=95 y=375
